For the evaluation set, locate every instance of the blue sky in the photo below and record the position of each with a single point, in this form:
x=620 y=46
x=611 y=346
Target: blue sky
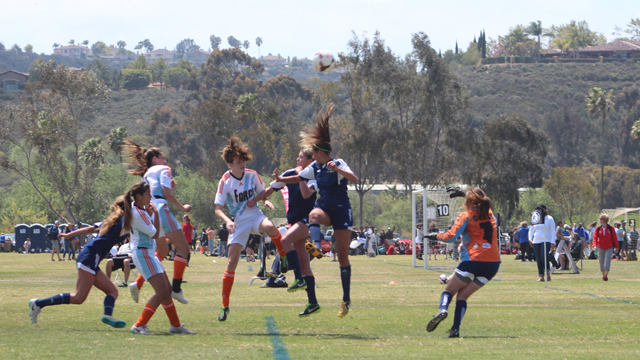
x=291 y=28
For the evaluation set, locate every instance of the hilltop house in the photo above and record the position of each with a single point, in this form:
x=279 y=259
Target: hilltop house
x=72 y=50
x=13 y=80
x=271 y=60
x=168 y=55
x=197 y=57
x=619 y=49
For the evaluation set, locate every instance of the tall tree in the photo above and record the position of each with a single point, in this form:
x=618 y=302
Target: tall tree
x=517 y=41
x=45 y=129
x=28 y=49
x=215 y=41
x=574 y=35
x=99 y=48
x=121 y=47
x=116 y=139
x=233 y=42
x=571 y=191
x=187 y=46
x=246 y=45
x=85 y=42
x=146 y=44
x=71 y=42
x=100 y=69
x=535 y=29
x=258 y=44
x=158 y=68
x=600 y=102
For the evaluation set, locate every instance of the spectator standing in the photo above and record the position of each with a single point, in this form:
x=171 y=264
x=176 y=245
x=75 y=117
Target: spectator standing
x=187 y=229
x=390 y=233
x=625 y=243
x=375 y=238
x=52 y=234
x=204 y=241
x=419 y=240
x=68 y=245
x=605 y=240
x=523 y=239
x=211 y=237
x=195 y=239
x=433 y=243
x=223 y=234
x=542 y=238
x=620 y=234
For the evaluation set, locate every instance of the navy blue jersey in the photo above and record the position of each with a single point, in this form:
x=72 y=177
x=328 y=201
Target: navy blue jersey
x=299 y=207
x=103 y=243
x=331 y=185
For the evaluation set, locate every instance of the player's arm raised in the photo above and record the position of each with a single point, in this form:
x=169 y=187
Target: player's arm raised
x=456 y=230
x=345 y=173
x=83 y=231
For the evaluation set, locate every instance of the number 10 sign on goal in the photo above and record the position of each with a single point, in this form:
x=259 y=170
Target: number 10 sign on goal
x=443 y=209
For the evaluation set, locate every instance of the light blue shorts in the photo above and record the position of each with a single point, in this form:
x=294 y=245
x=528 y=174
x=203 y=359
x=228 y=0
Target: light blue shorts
x=168 y=222
x=147 y=263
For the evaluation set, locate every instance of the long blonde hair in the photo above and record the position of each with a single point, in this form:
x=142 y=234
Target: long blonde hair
x=117 y=210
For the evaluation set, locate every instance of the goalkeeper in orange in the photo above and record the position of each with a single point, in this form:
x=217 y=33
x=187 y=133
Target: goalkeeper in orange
x=479 y=253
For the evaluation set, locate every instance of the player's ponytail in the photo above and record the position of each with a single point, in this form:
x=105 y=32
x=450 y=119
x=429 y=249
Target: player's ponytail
x=236 y=149
x=129 y=197
x=477 y=199
x=318 y=136
x=117 y=210
x=140 y=157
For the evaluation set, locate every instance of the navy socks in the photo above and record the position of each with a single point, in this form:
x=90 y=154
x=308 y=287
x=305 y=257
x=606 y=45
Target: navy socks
x=293 y=263
x=311 y=289
x=54 y=300
x=109 y=303
x=345 y=275
x=461 y=308
x=445 y=300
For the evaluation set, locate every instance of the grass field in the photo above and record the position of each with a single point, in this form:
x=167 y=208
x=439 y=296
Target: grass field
x=579 y=316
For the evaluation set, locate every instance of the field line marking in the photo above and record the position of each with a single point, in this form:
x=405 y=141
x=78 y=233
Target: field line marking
x=279 y=348
x=597 y=296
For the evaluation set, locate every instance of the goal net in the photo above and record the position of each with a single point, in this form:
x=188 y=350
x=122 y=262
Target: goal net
x=433 y=204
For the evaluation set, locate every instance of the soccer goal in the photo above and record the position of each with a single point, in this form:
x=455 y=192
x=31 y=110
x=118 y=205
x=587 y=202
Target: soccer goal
x=434 y=204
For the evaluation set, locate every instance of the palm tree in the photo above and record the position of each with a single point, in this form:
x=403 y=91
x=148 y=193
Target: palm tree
x=157 y=69
x=116 y=140
x=516 y=41
x=600 y=102
x=184 y=64
x=258 y=42
x=71 y=42
x=245 y=45
x=100 y=69
x=139 y=64
x=121 y=47
x=92 y=152
x=535 y=29
x=55 y=46
x=85 y=43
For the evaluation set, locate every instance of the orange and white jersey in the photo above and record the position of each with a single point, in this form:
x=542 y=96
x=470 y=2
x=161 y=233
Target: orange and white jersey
x=235 y=193
x=479 y=236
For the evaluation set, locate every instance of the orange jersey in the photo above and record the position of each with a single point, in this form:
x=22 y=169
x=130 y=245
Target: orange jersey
x=479 y=236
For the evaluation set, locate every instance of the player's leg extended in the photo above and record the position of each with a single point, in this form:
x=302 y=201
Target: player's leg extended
x=104 y=283
x=307 y=276
x=83 y=286
x=178 y=240
x=228 y=279
x=297 y=234
x=456 y=283
x=342 y=245
x=162 y=294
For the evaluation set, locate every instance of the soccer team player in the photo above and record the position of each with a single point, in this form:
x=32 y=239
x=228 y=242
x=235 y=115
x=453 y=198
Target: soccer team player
x=152 y=166
x=236 y=188
x=479 y=257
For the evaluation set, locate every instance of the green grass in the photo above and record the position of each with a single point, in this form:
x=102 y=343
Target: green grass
x=512 y=318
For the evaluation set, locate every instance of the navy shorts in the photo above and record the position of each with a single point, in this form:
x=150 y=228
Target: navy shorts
x=479 y=272
x=296 y=219
x=88 y=260
x=340 y=216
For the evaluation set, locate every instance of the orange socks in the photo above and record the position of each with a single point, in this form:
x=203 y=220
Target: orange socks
x=146 y=315
x=179 y=264
x=276 y=240
x=227 y=284
x=139 y=281
x=172 y=314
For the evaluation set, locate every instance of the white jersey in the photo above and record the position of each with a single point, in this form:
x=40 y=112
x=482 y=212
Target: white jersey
x=142 y=229
x=158 y=177
x=235 y=193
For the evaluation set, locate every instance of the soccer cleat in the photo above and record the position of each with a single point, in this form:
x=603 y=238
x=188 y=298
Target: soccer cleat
x=34 y=311
x=299 y=284
x=313 y=250
x=135 y=292
x=310 y=310
x=224 y=311
x=454 y=333
x=272 y=273
x=110 y=320
x=344 y=309
x=433 y=324
x=283 y=265
x=180 y=330
x=124 y=284
x=179 y=296
x=142 y=330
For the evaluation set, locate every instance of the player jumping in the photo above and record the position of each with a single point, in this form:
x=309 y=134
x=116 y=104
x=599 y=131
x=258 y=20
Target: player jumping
x=480 y=257
x=333 y=207
x=152 y=166
x=236 y=188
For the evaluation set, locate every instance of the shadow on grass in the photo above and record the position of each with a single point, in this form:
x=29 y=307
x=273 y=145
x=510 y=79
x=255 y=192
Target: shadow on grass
x=326 y=336
x=489 y=337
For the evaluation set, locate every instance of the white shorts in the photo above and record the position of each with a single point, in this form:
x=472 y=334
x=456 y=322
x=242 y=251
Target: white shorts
x=245 y=227
x=147 y=262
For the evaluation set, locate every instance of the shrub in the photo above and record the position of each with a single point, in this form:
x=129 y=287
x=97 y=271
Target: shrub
x=133 y=79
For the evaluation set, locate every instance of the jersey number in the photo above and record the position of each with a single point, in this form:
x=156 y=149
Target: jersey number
x=443 y=210
x=488 y=231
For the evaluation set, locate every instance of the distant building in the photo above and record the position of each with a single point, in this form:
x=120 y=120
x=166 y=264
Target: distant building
x=271 y=60
x=168 y=55
x=13 y=80
x=72 y=50
x=198 y=57
x=616 y=49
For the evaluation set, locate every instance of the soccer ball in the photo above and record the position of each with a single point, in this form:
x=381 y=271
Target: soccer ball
x=323 y=61
x=443 y=279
